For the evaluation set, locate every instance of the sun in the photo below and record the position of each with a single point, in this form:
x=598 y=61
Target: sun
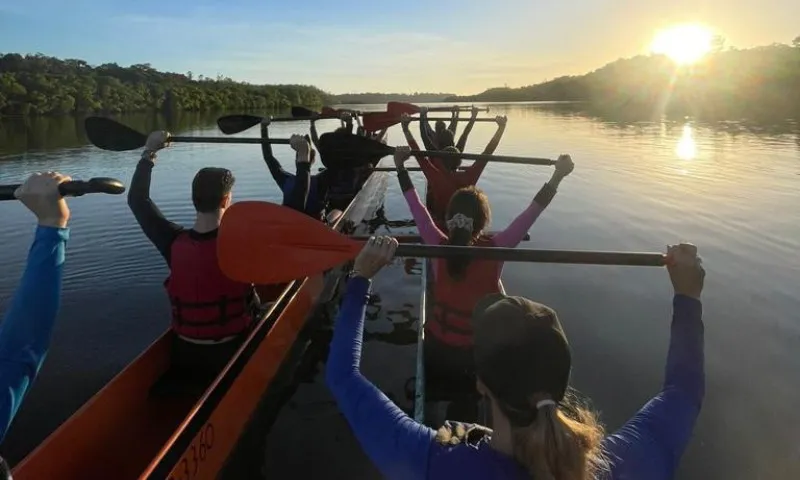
x=684 y=44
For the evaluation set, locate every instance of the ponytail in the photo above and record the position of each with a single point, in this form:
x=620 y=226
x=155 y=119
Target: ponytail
x=457 y=265
x=556 y=446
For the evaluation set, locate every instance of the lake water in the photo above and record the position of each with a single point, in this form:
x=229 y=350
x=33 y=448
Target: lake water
x=732 y=189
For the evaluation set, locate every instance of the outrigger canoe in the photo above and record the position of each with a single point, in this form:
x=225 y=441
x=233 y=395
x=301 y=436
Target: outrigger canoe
x=129 y=430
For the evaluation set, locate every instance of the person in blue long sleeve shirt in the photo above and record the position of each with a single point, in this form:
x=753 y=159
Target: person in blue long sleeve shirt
x=28 y=324
x=523 y=364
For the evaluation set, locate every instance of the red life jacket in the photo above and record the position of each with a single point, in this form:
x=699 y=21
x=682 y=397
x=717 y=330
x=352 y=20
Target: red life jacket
x=454 y=300
x=206 y=305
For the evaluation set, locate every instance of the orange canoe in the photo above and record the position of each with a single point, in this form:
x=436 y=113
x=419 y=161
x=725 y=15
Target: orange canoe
x=126 y=431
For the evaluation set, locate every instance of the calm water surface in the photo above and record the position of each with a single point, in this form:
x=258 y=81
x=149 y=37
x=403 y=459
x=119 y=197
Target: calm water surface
x=732 y=190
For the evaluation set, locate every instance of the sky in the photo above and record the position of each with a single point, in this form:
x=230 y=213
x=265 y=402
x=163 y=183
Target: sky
x=454 y=46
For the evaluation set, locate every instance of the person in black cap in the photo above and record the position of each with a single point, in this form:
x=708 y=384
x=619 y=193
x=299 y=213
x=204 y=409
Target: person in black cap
x=523 y=363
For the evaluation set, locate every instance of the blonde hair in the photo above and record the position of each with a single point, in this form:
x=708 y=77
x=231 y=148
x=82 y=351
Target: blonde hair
x=557 y=446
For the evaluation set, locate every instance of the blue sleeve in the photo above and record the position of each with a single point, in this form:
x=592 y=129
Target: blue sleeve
x=396 y=444
x=298 y=197
x=650 y=445
x=28 y=323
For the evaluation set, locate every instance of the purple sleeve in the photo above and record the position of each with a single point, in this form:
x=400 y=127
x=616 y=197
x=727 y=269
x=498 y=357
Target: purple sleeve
x=516 y=231
x=650 y=445
x=430 y=234
x=397 y=445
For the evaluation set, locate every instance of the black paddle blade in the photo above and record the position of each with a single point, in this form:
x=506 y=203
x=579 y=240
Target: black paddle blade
x=303 y=112
x=340 y=150
x=231 y=124
x=108 y=134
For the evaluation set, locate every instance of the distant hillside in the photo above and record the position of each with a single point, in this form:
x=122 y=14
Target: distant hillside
x=42 y=85
x=759 y=82
x=390 y=97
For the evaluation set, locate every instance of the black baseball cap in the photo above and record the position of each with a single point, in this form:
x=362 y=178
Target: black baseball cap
x=520 y=351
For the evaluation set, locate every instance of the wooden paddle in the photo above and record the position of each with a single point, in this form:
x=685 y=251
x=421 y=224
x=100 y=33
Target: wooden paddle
x=365 y=150
x=265 y=243
x=110 y=135
x=399 y=108
x=74 y=188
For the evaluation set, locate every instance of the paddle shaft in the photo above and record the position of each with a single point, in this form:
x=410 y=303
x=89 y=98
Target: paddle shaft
x=73 y=188
x=417 y=239
x=274 y=141
x=412 y=169
x=416 y=119
x=481 y=156
x=537 y=256
x=460 y=108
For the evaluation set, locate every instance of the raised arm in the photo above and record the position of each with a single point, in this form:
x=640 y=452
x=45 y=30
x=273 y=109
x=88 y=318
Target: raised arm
x=28 y=323
x=314 y=133
x=422 y=218
x=298 y=197
x=462 y=141
x=515 y=232
x=454 y=120
x=155 y=226
x=495 y=141
x=397 y=445
x=275 y=169
x=425 y=132
x=651 y=444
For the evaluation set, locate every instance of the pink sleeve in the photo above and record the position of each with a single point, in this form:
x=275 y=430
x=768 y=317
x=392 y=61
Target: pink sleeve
x=511 y=236
x=430 y=234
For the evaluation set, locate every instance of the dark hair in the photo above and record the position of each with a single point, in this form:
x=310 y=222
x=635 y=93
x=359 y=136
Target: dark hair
x=440 y=126
x=445 y=139
x=470 y=202
x=209 y=187
x=451 y=163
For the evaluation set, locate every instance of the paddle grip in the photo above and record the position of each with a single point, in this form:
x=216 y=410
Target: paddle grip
x=274 y=141
x=74 y=188
x=536 y=256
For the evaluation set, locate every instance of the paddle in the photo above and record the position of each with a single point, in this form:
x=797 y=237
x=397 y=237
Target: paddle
x=327 y=112
x=417 y=239
x=374 y=121
x=399 y=108
x=110 y=135
x=364 y=150
x=74 y=188
x=265 y=243
x=231 y=124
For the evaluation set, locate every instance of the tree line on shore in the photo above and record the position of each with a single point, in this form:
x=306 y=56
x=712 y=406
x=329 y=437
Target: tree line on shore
x=729 y=83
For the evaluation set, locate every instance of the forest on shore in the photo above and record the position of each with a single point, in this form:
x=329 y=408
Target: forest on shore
x=729 y=83
x=42 y=85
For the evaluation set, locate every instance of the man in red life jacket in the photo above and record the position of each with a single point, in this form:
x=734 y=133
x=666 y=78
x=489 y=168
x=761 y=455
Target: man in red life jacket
x=211 y=314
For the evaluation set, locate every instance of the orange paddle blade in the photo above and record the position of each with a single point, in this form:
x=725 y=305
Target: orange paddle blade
x=265 y=243
x=374 y=121
x=399 y=108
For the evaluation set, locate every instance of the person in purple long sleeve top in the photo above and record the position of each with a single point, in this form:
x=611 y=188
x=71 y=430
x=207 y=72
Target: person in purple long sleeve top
x=523 y=363
x=28 y=323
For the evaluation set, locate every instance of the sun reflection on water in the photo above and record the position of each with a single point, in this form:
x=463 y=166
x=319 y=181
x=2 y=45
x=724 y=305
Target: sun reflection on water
x=686 y=148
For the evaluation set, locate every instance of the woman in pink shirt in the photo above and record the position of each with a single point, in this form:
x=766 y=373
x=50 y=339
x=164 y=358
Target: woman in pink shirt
x=460 y=282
